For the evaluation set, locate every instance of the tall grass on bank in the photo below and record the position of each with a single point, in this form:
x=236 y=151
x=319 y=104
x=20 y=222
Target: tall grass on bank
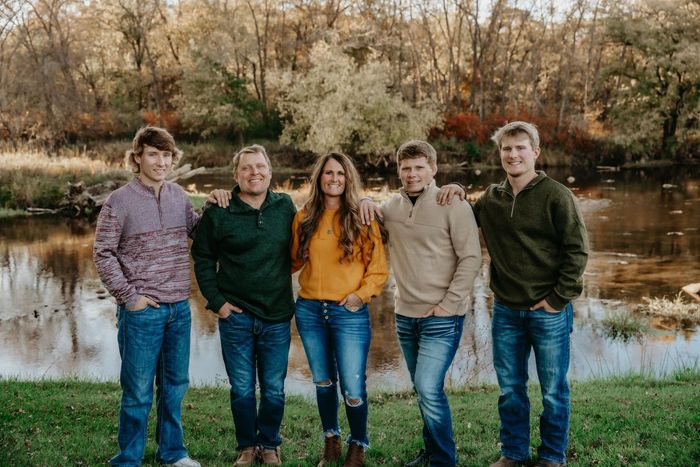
x=622 y=326
x=677 y=309
x=632 y=420
x=33 y=179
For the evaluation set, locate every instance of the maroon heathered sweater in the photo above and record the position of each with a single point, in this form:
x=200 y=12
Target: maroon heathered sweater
x=141 y=243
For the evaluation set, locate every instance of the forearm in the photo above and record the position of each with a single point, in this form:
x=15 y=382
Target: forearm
x=206 y=257
x=205 y=273
x=377 y=269
x=462 y=284
x=465 y=241
x=574 y=257
x=107 y=237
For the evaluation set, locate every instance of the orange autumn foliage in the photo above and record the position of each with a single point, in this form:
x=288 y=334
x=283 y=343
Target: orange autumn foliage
x=467 y=126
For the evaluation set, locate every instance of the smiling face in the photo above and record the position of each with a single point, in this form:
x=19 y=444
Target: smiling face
x=332 y=179
x=154 y=165
x=253 y=174
x=416 y=173
x=518 y=156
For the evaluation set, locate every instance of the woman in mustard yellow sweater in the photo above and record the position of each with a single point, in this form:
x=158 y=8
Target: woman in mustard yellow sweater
x=343 y=265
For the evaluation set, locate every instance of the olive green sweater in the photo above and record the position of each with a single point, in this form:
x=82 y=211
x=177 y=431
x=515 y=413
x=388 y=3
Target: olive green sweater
x=537 y=242
x=241 y=256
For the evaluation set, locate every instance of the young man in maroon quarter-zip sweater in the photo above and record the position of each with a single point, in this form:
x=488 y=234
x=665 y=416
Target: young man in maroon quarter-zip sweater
x=142 y=256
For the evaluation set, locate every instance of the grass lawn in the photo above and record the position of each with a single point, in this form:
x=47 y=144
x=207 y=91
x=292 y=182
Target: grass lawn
x=620 y=421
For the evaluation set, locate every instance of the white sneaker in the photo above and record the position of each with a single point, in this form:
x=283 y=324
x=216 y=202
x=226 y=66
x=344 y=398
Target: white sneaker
x=185 y=462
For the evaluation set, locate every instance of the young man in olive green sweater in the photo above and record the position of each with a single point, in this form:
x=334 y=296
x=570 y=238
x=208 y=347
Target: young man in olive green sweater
x=538 y=246
x=243 y=268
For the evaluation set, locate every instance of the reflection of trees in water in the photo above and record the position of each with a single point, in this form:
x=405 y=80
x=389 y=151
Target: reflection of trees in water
x=384 y=348
x=46 y=265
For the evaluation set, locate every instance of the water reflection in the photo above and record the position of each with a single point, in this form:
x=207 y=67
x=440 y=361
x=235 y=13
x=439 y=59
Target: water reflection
x=645 y=239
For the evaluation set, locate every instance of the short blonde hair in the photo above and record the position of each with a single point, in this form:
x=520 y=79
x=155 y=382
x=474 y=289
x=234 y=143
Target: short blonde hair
x=253 y=149
x=514 y=128
x=154 y=136
x=414 y=149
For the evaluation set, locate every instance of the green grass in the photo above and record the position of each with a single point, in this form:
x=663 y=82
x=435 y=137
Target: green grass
x=630 y=420
x=40 y=181
x=9 y=213
x=197 y=200
x=623 y=326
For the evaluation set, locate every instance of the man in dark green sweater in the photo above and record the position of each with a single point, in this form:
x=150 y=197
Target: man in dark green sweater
x=243 y=268
x=538 y=247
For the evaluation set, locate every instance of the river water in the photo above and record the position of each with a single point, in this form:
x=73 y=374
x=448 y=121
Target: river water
x=645 y=241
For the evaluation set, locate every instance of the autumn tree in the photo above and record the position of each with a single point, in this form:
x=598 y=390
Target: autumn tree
x=339 y=105
x=655 y=81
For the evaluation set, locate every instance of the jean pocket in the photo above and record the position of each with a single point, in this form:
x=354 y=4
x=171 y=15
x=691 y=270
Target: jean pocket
x=229 y=317
x=141 y=310
x=354 y=309
x=555 y=312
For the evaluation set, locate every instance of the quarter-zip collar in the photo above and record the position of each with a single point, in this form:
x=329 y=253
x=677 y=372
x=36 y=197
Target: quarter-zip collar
x=505 y=186
x=402 y=191
x=419 y=200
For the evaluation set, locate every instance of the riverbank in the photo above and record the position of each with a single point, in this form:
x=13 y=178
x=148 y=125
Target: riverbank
x=35 y=179
x=631 y=420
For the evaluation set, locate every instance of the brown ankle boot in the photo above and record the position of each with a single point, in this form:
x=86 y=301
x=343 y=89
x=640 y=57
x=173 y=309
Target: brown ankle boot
x=246 y=457
x=355 y=457
x=331 y=451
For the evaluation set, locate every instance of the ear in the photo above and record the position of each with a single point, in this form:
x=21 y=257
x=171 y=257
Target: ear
x=537 y=152
x=434 y=169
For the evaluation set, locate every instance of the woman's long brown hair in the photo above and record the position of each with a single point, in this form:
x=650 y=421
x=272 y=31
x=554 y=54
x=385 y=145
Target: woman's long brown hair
x=349 y=213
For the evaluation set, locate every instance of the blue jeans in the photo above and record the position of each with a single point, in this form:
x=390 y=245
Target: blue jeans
x=336 y=342
x=253 y=345
x=429 y=346
x=154 y=343
x=514 y=333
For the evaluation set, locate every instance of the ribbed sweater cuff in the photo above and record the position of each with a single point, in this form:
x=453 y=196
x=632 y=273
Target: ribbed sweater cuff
x=216 y=303
x=556 y=301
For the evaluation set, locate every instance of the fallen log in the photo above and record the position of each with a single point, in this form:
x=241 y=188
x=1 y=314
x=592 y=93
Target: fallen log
x=80 y=200
x=42 y=210
x=185 y=172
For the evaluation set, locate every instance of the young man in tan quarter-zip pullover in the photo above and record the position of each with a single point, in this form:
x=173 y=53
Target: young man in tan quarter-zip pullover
x=435 y=255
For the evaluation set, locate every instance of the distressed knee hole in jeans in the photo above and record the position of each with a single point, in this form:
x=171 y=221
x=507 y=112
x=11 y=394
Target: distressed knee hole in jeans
x=324 y=383
x=352 y=402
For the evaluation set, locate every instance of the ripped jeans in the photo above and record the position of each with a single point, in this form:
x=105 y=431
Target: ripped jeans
x=336 y=341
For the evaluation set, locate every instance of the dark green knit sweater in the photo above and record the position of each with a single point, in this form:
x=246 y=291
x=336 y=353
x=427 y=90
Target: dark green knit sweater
x=537 y=242
x=250 y=248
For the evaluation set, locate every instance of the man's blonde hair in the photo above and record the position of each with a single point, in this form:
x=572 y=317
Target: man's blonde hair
x=514 y=128
x=253 y=149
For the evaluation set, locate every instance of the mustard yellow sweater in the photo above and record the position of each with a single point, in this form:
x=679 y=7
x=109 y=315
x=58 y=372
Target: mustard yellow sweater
x=324 y=277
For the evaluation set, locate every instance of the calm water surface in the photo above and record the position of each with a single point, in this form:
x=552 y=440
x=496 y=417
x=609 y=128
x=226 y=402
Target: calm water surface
x=643 y=227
